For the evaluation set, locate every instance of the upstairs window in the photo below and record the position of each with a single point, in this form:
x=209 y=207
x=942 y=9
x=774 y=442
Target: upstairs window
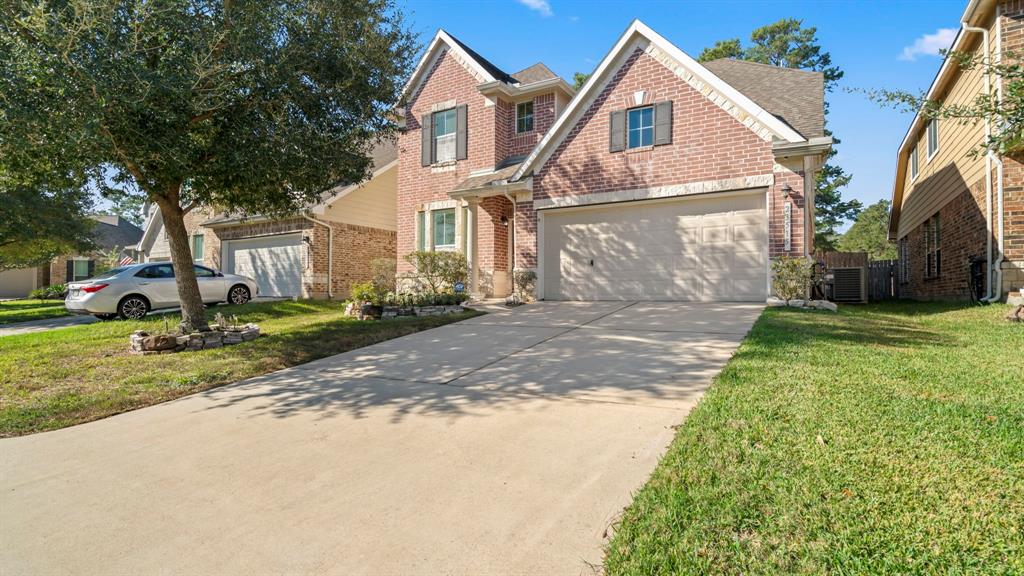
x=932 y=241
x=640 y=127
x=443 y=225
x=524 y=117
x=444 y=135
x=933 y=137
x=913 y=163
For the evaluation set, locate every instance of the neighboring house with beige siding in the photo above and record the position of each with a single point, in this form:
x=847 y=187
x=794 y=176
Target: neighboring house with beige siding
x=948 y=199
x=317 y=254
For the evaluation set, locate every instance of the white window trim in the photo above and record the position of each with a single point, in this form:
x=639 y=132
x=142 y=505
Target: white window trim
x=449 y=139
x=641 y=128
x=915 y=165
x=928 y=140
x=455 y=237
x=197 y=259
x=79 y=259
x=532 y=118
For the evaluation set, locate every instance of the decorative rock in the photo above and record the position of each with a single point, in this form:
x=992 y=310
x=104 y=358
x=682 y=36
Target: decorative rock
x=824 y=305
x=775 y=302
x=453 y=309
x=250 y=334
x=158 y=342
x=796 y=303
x=1016 y=314
x=1015 y=298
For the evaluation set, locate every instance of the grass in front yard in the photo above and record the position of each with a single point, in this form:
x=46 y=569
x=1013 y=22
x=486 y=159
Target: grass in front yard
x=886 y=439
x=55 y=379
x=24 y=310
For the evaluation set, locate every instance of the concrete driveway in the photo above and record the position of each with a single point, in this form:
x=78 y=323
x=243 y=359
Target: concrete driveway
x=505 y=444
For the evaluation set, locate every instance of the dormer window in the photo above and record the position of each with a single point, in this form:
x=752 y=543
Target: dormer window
x=444 y=135
x=524 y=117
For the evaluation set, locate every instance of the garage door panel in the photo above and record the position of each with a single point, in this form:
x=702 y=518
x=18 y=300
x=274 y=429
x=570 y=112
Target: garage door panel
x=275 y=262
x=691 y=249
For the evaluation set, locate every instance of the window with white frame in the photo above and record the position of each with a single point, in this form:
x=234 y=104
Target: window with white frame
x=442 y=224
x=640 y=127
x=524 y=117
x=904 y=255
x=421 y=231
x=932 y=232
x=913 y=163
x=444 y=135
x=79 y=270
x=933 y=137
x=197 y=248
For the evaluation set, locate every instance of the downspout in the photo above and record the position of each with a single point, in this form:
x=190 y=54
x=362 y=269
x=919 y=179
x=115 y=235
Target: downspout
x=989 y=156
x=330 y=253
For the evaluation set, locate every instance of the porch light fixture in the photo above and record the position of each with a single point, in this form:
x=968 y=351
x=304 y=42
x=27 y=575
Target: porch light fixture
x=787 y=190
x=504 y=221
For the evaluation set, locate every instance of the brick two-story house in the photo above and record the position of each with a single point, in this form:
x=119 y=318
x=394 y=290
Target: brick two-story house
x=956 y=211
x=662 y=178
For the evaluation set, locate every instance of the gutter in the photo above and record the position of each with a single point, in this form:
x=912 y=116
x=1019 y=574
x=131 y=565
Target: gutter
x=330 y=254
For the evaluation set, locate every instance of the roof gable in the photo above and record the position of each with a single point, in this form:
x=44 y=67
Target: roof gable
x=444 y=43
x=536 y=73
x=639 y=35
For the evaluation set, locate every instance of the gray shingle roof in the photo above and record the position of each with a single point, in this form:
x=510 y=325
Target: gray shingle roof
x=115 y=232
x=535 y=73
x=474 y=182
x=486 y=64
x=797 y=97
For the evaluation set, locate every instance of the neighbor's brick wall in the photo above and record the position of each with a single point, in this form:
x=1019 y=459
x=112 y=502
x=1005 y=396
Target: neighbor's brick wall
x=59 y=270
x=707 y=144
x=355 y=247
x=526 y=236
x=962 y=231
x=1012 y=24
x=314 y=253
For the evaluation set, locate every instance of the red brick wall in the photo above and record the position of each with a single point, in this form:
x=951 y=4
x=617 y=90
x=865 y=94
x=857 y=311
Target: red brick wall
x=418 y=185
x=962 y=235
x=707 y=144
x=543 y=118
x=355 y=247
x=526 y=236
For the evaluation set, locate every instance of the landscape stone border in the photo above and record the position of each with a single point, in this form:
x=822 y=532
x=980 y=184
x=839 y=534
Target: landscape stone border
x=813 y=304
x=142 y=342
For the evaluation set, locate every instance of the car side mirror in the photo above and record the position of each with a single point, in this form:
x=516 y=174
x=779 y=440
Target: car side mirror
x=220 y=274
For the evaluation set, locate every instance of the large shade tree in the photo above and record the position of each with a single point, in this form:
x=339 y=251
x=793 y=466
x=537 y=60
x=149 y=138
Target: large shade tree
x=789 y=44
x=253 y=107
x=870 y=233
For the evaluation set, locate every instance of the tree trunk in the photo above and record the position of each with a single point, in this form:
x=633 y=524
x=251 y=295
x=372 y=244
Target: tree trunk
x=193 y=313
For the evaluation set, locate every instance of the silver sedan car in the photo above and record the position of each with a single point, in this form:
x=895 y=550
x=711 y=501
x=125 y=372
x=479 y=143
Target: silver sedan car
x=132 y=291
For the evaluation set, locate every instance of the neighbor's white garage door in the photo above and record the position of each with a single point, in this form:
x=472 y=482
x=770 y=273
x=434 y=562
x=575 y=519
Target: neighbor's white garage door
x=699 y=249
x=274 y=261
x=17 y=283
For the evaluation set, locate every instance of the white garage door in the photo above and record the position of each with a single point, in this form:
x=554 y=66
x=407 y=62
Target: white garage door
x=697 y=249
x=17 y=283
x=274 y=261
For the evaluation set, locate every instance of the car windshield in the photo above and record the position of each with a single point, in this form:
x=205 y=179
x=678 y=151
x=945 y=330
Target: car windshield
x=109 y=273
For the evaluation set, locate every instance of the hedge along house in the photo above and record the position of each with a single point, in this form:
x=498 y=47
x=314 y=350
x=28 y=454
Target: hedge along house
x=956 y=212
x=662 y=179
x=318 y=253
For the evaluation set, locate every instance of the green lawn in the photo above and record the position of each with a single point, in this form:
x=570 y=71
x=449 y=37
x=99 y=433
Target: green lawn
x=54 y=379
x=25 y=310
x=885 y=439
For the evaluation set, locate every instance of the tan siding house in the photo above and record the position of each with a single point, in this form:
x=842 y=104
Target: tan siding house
x=957 y=212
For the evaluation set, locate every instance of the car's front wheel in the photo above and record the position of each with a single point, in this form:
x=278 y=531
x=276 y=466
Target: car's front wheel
x=133 y=308
x=105 y=316
x=239 y=294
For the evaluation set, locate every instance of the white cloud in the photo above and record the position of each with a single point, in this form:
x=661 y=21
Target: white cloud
x=540 y=6
x=929 y=44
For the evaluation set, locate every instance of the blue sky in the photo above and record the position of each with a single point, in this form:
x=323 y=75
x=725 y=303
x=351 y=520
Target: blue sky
x=877 y=44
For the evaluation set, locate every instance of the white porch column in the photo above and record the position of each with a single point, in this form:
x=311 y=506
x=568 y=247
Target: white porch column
x=471 y=245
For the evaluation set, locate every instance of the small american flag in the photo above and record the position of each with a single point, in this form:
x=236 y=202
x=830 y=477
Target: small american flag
x=126 y=261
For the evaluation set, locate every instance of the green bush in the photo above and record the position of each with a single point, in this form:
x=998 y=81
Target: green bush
x=363 y=292
x=791 y=277
x=525 y=282
x=438 y=272
x=39 y=294
x=57 y=291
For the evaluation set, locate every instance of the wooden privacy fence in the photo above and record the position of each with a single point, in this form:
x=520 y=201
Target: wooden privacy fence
x=883 y=282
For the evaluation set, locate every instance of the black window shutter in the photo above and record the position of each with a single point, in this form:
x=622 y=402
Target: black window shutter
x=92 y=266
x=663 y=123
x=461 y=121
x=617 y=131
x=427 y=153
x=71 y=272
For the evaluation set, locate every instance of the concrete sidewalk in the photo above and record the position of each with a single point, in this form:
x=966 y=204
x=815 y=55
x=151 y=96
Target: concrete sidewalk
x=508 y=443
